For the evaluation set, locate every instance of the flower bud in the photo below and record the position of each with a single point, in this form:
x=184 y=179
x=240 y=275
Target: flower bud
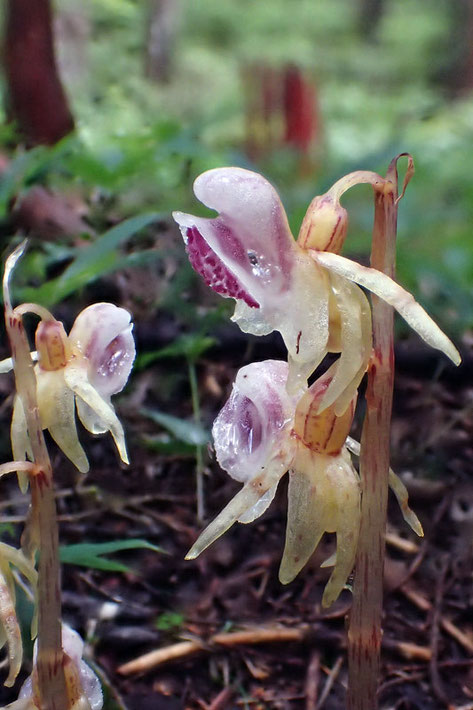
x=323 y=433
x=52 y=345
x=324 y=226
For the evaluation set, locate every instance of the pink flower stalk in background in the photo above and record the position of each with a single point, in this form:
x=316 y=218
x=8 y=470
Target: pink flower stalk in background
x=303 y=289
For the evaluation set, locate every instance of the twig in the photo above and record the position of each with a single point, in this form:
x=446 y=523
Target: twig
x=435 y=679
x=410 y=651
x=447 y=625
x=312 y=681
x=331 y=678
x=236 y=638
x=400 y=543
x=275 y=634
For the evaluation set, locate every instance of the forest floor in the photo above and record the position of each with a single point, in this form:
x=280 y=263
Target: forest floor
x=275 y=646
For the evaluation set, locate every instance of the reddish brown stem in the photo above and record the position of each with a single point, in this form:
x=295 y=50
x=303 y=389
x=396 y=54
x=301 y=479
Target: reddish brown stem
x=49 y=664
x=364 y=634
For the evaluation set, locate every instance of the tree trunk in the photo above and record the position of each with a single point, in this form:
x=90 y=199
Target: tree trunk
x=35 y=98
x=163 y=19
x=370 y=13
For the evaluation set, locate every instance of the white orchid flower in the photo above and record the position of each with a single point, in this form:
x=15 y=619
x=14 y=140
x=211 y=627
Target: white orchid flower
x=81 y=370
x=260 y=434
x=303 y=289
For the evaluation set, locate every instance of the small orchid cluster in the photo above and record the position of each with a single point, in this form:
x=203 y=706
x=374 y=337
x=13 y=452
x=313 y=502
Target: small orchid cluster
x=273 y=422
x=80 y=371
x=76 y=372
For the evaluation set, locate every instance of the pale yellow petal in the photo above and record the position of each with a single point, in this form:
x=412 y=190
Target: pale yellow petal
x=242 y=507
x=402 y=496
x=20 y=442
x=306 y=521
x=10 y=623
x=76 y=378
x=345 y=486
x=387 y=289
x=355 y=346
x=56 y=405
x=91 y=419
x=399 y=490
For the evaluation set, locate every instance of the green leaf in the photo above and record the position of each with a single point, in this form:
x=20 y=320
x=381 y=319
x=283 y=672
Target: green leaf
x=89 y=554
x=169 y=447
x=190 y=432
x=102 y=256
x=189 y=346
x=169 y=620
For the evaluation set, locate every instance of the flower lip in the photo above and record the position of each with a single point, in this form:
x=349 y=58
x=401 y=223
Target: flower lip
x=253 y=427
x=102 y=333
x=213 y=270
x=250 y=238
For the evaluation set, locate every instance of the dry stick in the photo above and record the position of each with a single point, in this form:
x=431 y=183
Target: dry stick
x=364 y=633
x=49 y=664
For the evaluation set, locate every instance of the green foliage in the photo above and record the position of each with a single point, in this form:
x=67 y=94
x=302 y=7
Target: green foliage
x=99 y=258
x=187 y=432
x=91 y=554
x=170 y=621
x=189 y=346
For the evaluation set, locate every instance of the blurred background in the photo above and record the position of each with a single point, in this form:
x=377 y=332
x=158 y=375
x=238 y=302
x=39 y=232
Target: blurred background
x=159 y=90
x=109 y=109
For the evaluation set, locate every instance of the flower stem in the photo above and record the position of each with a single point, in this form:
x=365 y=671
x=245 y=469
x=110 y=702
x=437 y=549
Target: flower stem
x=199 y=468
x=364 y=633
x=49 y=665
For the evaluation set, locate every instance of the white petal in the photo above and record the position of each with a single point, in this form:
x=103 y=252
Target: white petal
x=387 y=289
x=90 y=419
x=76 y=378
x=102 y=333
x=402 y=496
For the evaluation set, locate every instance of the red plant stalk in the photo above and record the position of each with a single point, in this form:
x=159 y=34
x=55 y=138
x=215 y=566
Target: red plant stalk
x=364 y=633
x=50 y=659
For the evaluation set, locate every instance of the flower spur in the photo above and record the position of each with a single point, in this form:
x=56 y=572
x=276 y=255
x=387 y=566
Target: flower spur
x=303 y=289
x=81 y=370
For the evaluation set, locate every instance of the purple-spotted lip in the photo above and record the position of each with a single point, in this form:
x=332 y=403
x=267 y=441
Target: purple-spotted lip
x=247 y=251
x=213 y=270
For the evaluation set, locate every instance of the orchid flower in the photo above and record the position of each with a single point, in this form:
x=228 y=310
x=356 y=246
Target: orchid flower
x=261 y=432
x=81 y=370
x=83 y=686
x=303 y=289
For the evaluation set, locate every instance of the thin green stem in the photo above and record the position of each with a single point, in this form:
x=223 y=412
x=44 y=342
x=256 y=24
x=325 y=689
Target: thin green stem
x=199 y=459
